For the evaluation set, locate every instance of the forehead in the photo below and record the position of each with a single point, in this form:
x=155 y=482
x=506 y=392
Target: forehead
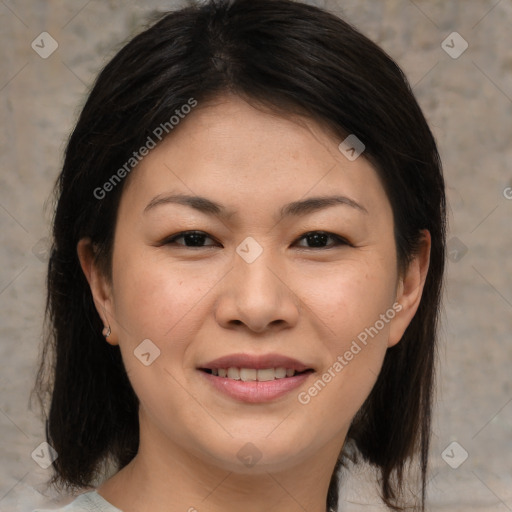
x=236 y=153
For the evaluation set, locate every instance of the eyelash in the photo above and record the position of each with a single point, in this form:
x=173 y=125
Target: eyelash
x=339 y=240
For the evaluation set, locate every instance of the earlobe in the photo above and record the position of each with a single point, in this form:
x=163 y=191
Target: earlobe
x=100 y=287
x=410 y=290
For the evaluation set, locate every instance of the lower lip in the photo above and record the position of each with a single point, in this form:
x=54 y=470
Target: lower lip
x=255 y=391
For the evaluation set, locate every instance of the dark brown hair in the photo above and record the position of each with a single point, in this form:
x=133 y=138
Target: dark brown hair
x=290 y=57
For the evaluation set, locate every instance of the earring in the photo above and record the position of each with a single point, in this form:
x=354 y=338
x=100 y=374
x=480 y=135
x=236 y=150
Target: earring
x=107 y=331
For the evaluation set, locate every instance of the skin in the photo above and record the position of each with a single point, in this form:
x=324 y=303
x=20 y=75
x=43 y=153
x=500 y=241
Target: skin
x=199 y=303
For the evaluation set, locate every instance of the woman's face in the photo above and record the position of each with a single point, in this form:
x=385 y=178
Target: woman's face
x=257 y=287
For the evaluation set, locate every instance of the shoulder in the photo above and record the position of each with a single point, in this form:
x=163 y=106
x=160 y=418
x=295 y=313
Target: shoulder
x=89 y=501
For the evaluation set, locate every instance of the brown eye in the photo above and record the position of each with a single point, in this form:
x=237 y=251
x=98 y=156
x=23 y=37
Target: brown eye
x=320 y=239
x=194 y=239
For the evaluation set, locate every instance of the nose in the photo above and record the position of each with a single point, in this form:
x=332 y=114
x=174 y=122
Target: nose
x=257 y=295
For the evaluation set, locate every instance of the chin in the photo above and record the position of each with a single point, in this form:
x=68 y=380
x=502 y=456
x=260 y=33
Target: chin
x=257 y=455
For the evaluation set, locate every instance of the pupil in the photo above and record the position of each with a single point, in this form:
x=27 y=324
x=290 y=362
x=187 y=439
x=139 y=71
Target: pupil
x=196 y=238
x=317 y=239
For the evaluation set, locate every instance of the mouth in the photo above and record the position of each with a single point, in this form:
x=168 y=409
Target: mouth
x=254 y=374
x=258 y=367
x=258 y=378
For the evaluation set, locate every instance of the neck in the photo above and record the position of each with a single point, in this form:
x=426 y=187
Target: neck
x=174 y=480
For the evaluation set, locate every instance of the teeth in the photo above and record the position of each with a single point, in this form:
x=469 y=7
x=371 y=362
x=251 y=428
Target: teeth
x=252 y=374
x=268 y=374
x=247 y=374
x=234 y=373
x=281 y=373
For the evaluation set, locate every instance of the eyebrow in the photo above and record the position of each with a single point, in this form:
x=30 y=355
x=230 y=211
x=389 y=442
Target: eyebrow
x=296 y=208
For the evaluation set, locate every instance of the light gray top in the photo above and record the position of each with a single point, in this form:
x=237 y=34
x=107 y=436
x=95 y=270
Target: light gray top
x=89 y=501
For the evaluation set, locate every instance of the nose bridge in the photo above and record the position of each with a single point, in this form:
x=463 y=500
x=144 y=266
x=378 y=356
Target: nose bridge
x=255 y=293
x=257 y=285
x=255 y=263
x=257 y=279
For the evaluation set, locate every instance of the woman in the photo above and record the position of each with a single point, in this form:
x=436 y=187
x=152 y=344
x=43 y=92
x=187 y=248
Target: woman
x=245 y=279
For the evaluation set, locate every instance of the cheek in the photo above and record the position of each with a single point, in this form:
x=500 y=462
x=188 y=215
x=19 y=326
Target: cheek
x=350 y=297
x=155 y=297
x=162 y=303
x=355 y=305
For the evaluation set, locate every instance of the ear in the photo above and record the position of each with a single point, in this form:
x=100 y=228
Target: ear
x=100 y=287
x=410 y=290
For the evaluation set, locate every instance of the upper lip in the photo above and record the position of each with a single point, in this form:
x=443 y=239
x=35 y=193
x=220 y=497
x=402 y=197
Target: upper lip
x=258 y=362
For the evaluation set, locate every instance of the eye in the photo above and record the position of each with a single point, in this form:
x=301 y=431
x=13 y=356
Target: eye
x=196 y=239
x=191 y=239
x=319 y=239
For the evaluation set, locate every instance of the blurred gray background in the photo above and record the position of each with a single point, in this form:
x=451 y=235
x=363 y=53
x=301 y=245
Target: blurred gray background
x=466 y=94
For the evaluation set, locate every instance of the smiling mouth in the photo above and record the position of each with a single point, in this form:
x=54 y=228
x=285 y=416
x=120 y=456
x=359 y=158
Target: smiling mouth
x=253 y=374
